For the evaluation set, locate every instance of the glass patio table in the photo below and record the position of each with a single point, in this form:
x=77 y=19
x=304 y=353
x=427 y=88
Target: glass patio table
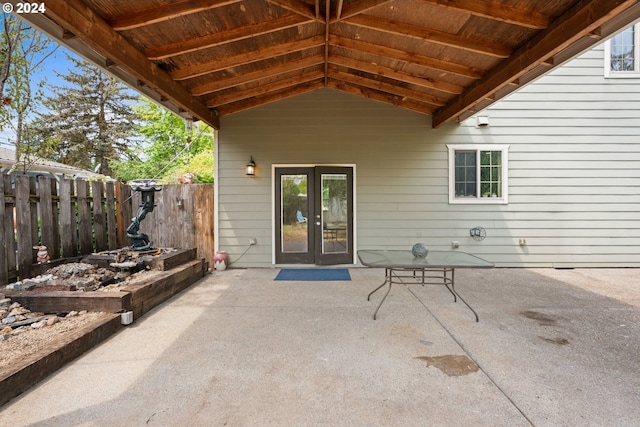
x=438 y=268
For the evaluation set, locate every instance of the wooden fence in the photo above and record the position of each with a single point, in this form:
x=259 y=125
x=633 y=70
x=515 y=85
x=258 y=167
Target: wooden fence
x=76 y=217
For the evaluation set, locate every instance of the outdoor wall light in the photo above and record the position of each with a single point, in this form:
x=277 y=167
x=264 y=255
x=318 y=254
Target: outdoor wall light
x=251 y=168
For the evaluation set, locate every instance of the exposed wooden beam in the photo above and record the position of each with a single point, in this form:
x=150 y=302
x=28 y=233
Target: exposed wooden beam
x=391 y=73
x=296 y=6
x=412 y=58
x=165 y=12
x=262 y=89
x=357 y=7
x=396 y=100
x=225 y=110
x=386 y=87
x=326 y=39
x=227 y=36
x=497 y=11
x=573 y=25
x=217 y=85
x=246 y=58
x=429 y=35
x=73 y=15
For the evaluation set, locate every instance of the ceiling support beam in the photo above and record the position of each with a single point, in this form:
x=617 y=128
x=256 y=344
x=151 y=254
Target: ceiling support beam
x=496 y=11
x=390 y=73
x=430 y=36
x=575 y=24
x=357 y=7
x=165 y=13
x=247 y=58
x=227 y=36
x=408 y=57
x=76 y=17
x=296 y=6
x=268 y=98
x=241 y=79
x=263 y=89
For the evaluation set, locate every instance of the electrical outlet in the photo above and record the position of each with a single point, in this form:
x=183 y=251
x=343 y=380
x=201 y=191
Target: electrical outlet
x=253 y=241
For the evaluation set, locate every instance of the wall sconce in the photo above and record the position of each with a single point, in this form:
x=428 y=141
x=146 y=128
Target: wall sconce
x=251 y=168
x=482 y=121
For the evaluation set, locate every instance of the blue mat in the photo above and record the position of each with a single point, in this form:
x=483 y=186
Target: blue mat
x=313 y=274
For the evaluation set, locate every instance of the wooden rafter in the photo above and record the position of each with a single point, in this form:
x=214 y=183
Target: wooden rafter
x=396 y=100
x=262 y=89
x=268 y=98
x=386 y=87
x=429 y=35
x=247 y=58
x=165 y=12
x=296 y=6
x=357 y=7
x=497 y=11
x=391 y=73
x=408 y=57
x=228 y=36
x=217 y=85
x=574 y=24
x=72 y=15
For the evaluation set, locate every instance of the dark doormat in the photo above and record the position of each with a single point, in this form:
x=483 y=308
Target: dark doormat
x=313 y=274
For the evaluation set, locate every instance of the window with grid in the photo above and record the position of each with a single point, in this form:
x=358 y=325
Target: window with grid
x=477 y=174
x=622 y=53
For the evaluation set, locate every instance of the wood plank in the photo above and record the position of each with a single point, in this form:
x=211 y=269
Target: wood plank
x=165 y=12
x=55 y=253
x=48 y=229
x=245 y=58
x=204 y=222
x=408 y=57
x=9 y=224
x=227 y=36
x=171 y=260
x=111 y=216
x=264 y=73
x=575 y=24
x=85 y=238
x=430 y=35
x=4 y=245
x=23 y=226
x=497 y=11
x=99 y=218
x=19 y=377
x=357 y=7
x=73 y=16
x=67 y=219
x=66 y=301
x=296 y=6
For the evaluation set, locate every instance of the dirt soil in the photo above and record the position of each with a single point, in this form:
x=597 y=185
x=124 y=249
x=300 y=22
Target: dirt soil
x=24 y=344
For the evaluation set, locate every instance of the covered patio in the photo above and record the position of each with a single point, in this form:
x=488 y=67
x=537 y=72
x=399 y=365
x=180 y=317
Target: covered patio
x=553 y=347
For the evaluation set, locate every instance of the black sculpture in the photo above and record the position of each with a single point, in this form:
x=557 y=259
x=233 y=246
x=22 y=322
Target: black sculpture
x=147 y=187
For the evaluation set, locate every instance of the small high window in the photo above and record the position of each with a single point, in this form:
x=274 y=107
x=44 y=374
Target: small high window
x=478 y=173
x=622 y=53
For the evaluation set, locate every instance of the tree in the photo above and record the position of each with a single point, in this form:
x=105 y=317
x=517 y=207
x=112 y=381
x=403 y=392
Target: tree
x=91 y=120
x=23 y=52
x=170 y=150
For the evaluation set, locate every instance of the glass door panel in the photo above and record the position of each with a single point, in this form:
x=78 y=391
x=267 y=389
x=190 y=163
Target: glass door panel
x=294 y=225
x=335 y=232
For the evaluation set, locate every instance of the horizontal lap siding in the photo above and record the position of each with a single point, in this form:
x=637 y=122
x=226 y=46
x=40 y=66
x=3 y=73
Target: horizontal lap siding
x=574 y=171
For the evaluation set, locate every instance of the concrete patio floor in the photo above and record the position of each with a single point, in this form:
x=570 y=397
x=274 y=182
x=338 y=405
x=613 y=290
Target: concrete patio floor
x=553 y=347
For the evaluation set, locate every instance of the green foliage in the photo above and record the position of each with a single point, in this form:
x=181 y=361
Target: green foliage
x=91 y=119
x=169 y=150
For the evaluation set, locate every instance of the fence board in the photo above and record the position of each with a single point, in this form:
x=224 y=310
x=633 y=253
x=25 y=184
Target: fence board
x=67 y=219
x=10 y=224
x=99 y=225
x=23 y=225
x=4 y=270
x=84 y=217
x=123 y=213
x=203 y=222
x=47 y=226
x=110 y=197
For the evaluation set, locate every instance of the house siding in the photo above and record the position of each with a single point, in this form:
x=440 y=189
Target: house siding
x=574 y=171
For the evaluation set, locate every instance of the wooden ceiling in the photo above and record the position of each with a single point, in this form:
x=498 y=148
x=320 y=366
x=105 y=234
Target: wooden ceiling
x=444 y=58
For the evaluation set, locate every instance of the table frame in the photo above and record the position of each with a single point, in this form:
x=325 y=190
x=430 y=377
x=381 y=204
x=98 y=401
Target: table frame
x=421 y=275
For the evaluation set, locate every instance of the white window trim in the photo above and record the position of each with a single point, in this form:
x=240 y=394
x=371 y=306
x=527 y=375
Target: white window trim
x=623 y=74
x=479 y=200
